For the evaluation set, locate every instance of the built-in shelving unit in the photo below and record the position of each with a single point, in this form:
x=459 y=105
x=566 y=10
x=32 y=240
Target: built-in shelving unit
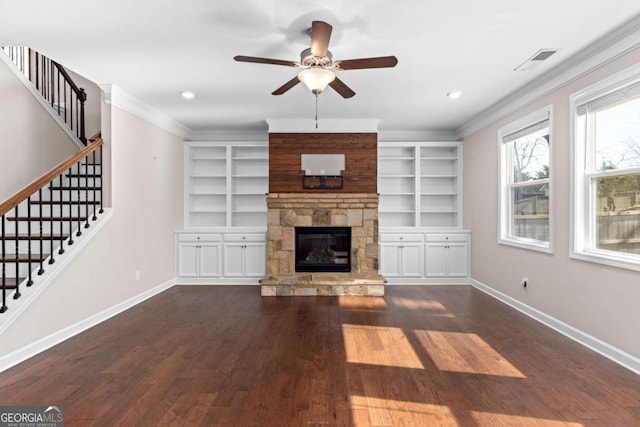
x=226 y=185
x=420 y=184
x=397 y=185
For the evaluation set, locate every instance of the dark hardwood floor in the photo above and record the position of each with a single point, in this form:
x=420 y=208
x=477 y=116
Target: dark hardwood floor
x=421 y=356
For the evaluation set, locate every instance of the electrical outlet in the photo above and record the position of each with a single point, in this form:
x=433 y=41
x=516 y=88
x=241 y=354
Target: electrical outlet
x=137 y=275
x=524 y=282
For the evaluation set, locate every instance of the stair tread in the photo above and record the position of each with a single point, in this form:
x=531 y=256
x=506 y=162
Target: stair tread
x=10 y=282
x=73 y=187
x=46 y=218
x=35 y=237
x=24 y=258
x=65 y=202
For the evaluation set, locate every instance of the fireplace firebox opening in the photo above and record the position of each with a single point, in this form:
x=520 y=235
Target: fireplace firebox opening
x=323 y=249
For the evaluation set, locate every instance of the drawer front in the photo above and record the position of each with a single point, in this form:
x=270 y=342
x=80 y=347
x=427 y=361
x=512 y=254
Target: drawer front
x=401 y=237
x=199 y=237
x=449 y=237
x=249 y=237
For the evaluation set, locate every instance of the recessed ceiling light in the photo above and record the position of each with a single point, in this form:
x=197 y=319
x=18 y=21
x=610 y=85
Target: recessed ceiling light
x=188 y=94
x=455 y=94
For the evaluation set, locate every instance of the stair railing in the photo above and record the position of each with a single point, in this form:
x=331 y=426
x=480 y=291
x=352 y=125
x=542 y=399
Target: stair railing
x=83 y=201
x=54 y=84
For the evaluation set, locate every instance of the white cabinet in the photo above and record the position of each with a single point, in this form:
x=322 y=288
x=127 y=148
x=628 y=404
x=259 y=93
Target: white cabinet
x=420 y=184
x=220 y=257
x=401 y=256
x=226 y=184
x=198 y=255
x=245 y=255
x=423 y=257
x=447 y=255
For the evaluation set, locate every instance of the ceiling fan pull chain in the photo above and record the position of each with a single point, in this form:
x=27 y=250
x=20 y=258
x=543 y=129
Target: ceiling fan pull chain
x=316 y=111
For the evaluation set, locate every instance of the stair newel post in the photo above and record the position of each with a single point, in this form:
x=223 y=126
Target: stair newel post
x=3 y=308
x=40 y=207
x=29 y=236
x=100 y=178
x=82 y=96
x=78 y=202
x=51 y=236
x=16 y=295
x=86 y=191
x=60 y=219
x=70 y=194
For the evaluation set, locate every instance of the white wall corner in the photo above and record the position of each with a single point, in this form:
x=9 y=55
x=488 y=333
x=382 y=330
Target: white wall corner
x=120 y=98
x=612 y=353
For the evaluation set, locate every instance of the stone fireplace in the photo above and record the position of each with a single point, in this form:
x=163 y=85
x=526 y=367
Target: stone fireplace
x=358 y=212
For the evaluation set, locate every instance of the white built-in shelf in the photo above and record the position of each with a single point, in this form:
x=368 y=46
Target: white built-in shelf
x=226 y=184
x=419 y=184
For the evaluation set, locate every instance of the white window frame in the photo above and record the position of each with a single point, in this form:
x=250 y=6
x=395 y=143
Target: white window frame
x=583 y=228
x=505 y=182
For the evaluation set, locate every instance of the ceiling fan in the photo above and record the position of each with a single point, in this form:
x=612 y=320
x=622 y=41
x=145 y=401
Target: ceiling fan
x=319 y=66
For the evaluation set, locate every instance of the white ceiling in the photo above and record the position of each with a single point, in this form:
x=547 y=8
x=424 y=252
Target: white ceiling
x=155 y=49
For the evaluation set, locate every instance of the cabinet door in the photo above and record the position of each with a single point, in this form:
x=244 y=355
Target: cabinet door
x=434 y=257
x=188 y=260
x=390 y=260
x=457 y=262
x=255 y=259
x=210 y=260
x=233 y=259
x=411 y=260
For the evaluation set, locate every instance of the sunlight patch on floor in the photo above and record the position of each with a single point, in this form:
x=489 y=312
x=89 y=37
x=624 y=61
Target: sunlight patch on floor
x=488 y=419
x=379 y=345
x=371 y=411
x=430 y=307
x=359 y=303
x=465 y=352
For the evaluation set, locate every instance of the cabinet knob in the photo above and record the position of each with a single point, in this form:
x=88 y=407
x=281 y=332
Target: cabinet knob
x=198 y=237
x=446 y=238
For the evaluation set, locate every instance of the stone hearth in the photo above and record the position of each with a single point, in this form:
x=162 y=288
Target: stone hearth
x=289 y=210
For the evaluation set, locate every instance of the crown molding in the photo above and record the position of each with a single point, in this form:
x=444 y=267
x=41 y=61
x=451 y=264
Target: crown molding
x=610 y=47
x=416 y=136
x=120 y=98
x=229 y=135
x=324 y=126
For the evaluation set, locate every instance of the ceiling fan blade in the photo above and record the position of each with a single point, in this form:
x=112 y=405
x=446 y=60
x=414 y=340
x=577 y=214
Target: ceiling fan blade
x=320 y=35
x=285 y=87
x=359 y=64
x=339 y=86
x=257 y=60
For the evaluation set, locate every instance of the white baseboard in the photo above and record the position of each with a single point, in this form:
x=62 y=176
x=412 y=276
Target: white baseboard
x=47 y=342
x=610 y=352
x=215 y=281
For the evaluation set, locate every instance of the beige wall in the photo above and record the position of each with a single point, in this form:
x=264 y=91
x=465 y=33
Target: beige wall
x=598 y=300
x=147 y=199
x=31 y=142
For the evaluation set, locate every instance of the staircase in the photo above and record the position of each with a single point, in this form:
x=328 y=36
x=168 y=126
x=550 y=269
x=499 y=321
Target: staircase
x=41 y=221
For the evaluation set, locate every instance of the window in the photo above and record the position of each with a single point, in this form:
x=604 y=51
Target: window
x=525 y=182
x=606 y=171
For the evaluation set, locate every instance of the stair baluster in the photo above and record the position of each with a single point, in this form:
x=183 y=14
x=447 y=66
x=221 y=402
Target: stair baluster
x=51 y=236
x=3 y=308
x=16 y=294
x=29 y=251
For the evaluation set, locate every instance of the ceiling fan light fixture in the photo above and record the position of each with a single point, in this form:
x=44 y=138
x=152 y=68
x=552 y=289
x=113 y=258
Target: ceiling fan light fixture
x=316 y=79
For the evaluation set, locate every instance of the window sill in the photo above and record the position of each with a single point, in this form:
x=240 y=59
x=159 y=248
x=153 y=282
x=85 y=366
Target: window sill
x=530 y=245
x=629 y=262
